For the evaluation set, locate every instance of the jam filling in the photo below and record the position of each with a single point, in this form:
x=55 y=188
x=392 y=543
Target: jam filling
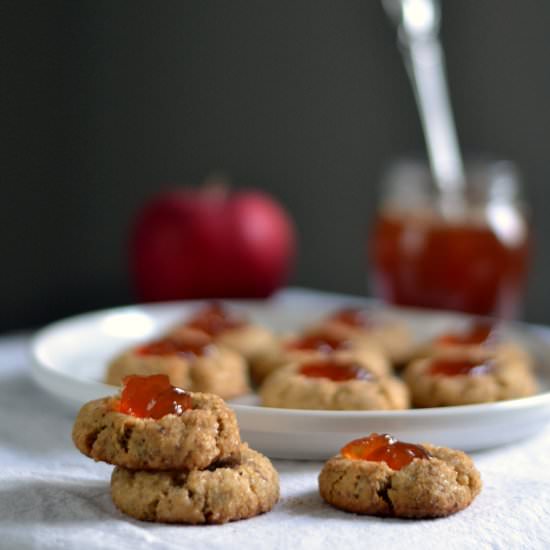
x=352 y=316
x=152 y=397
x=324 y=343
x=384 y=448
x=477 y=334
x=195 y=346
x=214 y=319
x=337 y=372
x=458 y=367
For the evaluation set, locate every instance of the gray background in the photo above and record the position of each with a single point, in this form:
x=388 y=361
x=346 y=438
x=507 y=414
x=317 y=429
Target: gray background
x=104 y=103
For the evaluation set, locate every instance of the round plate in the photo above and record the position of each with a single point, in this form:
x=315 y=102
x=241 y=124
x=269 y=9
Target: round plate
x=70 y=357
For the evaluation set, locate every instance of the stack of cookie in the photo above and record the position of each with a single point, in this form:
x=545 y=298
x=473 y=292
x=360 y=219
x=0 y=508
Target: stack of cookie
x=178 y=455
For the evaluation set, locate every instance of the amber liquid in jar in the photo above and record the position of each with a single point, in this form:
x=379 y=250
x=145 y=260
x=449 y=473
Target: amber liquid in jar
x=476 y=262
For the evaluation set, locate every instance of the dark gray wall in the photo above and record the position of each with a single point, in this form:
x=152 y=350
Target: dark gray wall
x=104 y=103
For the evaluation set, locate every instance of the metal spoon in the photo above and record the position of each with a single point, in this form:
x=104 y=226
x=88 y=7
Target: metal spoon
x=418 y=23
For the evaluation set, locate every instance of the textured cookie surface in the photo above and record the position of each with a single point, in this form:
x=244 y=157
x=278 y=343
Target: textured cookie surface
x=279 y=355
x=198 y=437
x=221 y=371
x=508 y=378
x=229 y=492
x=289 y=389
x=442 y=485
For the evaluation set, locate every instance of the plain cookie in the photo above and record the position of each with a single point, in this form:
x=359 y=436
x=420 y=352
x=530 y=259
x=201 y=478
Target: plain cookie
x=219 y=494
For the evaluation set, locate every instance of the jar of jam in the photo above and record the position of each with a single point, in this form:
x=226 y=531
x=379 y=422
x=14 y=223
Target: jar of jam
x=472 y=258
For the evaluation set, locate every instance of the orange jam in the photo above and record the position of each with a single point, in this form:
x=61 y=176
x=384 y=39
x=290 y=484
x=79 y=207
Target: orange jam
x=477 y=334
x=324 y=343
x=152 y=397
x=175 y=346
x=429 y=261
x=384 y=448
x=213 y=319
x=351 y=316
x=458 y=367
x=337 y=372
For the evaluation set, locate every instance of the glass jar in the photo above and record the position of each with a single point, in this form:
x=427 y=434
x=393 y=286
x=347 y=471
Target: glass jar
x=474 y=259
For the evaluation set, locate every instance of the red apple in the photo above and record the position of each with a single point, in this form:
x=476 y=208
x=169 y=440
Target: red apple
x=211 y=243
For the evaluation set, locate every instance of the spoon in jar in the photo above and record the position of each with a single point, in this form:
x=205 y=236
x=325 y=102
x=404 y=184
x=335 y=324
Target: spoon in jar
x=418 y=24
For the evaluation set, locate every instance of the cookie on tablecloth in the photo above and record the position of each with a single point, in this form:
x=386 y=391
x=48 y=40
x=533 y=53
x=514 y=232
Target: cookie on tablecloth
x=380 y=476
x=221 y=493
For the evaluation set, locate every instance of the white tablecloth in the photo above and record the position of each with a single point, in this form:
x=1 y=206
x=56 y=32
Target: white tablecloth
x=53 y=497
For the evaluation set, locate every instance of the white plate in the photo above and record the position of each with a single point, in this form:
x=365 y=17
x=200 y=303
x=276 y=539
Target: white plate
x=69 y=359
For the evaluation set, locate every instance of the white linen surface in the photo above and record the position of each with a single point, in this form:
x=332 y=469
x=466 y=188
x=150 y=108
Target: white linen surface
x=53 y=497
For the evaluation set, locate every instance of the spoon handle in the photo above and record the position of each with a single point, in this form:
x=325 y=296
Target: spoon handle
x=418 y=22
